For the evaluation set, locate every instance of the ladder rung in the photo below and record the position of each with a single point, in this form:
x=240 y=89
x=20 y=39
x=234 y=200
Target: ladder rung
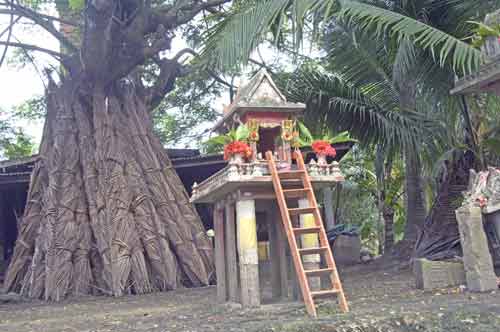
x=296 y=193
x=299 y=211
x=306 y=230
x=324 y=293
x=311 y=251
x=291 y=174
x=318 y=272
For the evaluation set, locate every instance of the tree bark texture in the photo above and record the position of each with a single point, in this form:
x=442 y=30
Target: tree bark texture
x=106 y=212
x=415 y=204
x=439 y=238
x=388 y=214
x=415 y=207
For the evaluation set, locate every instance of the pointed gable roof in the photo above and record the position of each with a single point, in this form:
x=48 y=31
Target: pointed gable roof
x=259 y=94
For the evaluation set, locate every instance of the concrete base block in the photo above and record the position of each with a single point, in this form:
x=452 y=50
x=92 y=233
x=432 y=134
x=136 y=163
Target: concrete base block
x=346 y=250
x=438 y=274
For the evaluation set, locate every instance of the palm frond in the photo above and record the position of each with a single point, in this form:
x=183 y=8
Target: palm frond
x=444 y=47
x=363 y=62
x=231 y=42
x=343 y=107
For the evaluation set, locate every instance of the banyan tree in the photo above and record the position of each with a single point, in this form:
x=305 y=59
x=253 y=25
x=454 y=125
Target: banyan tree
x=106 y=212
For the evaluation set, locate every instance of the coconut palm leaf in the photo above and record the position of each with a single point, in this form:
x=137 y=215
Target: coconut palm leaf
x=343 y=107
x=445 y=48
x=231 y=42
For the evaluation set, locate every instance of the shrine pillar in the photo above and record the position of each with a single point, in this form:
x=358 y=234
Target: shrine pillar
x=247 y=252
x=311 y=262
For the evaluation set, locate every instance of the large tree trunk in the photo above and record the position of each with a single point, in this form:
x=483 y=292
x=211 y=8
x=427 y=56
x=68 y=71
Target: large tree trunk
x=440 y=238
x=106 y=212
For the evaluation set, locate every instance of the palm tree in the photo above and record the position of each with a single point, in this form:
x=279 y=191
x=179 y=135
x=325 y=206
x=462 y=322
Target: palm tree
x=355 y=91
x=426 y=36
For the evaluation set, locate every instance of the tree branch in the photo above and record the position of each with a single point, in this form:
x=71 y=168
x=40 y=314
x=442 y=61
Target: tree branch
x=173 y=16
x=261 y=65
x=30 y=47
x=216 y=77
x=44 y=16
x=184 y=51
x=9 y=35
x=10 y=26
x=219 y=79
x=44 y=23
x=169 y=71
x=195 y=9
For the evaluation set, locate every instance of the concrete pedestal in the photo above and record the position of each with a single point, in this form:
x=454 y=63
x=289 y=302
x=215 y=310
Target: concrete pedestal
x=438 y=274
x=311 y=262
x=478 y=264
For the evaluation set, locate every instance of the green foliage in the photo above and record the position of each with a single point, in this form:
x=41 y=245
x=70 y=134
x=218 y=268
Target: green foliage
x=186 y=113
x=359 y=108
x=482 y=32
x=216 y=144
x=444 y=47
x=17 y=146
x=76 y=5
x=32 y=109
x=14 y=142
x=245 y=26
x=359 y=201
x=306 y=138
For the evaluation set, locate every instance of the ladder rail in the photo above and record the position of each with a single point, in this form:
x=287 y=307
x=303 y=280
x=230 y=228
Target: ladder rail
x=287 y=224
x=323 y=239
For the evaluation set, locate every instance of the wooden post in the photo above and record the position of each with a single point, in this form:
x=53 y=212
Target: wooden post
x=296 y=293
x=231 y=262
x=311 y=262
x=328 y=207
x=247 y=250
x=272 y=226
x=281 y=248
x=3 y=220
x=220 y=266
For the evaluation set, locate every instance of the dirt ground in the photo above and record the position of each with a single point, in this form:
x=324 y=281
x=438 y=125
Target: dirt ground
x=381 y=299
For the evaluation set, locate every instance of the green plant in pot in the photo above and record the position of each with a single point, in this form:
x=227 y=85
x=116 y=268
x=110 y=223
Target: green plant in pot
x=234 y=144
x=321 y=145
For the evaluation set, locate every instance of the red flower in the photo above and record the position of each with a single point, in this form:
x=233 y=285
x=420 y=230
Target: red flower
x=254 y=136
x=323 y=148
x=235 y=148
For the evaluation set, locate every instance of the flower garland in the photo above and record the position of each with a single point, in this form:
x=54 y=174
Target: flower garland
x=253 y=128
x=237 y=147
x=323 y=148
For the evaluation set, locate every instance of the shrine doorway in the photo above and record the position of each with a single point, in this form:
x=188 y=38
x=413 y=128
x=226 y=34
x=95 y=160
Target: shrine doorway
x=267 y=139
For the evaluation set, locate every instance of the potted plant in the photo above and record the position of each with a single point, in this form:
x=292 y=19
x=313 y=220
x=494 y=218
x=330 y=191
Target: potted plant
x=234 y=144
x=322 y=146
x=323 y=149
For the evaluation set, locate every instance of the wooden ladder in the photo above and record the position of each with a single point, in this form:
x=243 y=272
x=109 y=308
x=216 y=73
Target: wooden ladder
x=293 y=233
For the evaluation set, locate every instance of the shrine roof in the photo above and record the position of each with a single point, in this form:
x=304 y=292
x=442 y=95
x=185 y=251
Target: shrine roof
x=260 y=94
